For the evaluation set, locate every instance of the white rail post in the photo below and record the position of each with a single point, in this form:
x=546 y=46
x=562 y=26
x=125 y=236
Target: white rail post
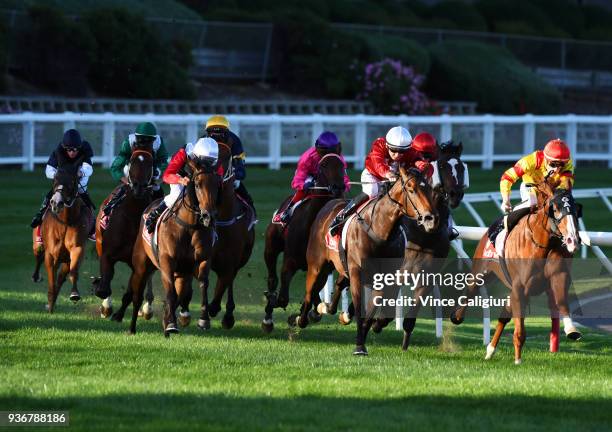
x=326 y=292
x=69 y=123
x=317 y=127
x=610 y=143
x=192 y=131
x=108 y=140
x=486 y=317
x=446 y=128
x=274 y=151
x=572 y=136
x=488 y=142
x=399 y=312
x=583 y=248
x=27 y=144
x=360 y=141
x=345 y=299
x=528 y=135
x=438 y=309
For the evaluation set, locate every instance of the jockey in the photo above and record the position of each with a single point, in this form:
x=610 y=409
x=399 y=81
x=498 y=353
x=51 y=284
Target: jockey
x=304 y=177
x=397 y=149
x=205 y=149
x=218 y=127
x=553 y=165
x=145 y=137
x=72 y=147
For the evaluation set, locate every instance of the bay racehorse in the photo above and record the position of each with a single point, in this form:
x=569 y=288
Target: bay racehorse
x=375 y=225
x=64 y=232
x=292 y=240
x=181 y=247
x=535 y=258
x=116 y=233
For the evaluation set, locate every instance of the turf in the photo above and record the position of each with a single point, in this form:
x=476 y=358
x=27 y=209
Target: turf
x=245 y=380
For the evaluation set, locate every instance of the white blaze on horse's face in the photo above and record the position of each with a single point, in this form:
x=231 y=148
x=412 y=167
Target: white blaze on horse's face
x=570 y=236
x=141 y=158
x=56 y=199
x=435 y=177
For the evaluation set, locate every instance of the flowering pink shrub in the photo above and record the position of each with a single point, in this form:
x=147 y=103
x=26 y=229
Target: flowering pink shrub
x=393 y=88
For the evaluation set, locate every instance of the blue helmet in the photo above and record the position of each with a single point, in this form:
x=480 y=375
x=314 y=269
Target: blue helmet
x=72 y=139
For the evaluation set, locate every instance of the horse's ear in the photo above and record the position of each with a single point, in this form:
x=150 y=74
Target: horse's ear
x=460 y=148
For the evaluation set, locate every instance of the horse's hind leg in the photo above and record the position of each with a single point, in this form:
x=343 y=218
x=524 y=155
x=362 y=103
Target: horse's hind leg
x=52 y=290
x=287 y=273
x=503 y=319
x=342 y=282
x=147 y=307
x=185 y=292
x=76 y=255
x=315 y=280
x=215 y=305
x=107 y=272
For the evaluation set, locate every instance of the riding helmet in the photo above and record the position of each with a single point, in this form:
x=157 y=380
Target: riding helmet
x=557 y=150
x=398 y=139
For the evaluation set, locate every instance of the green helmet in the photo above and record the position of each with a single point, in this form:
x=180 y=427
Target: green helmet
x=147 y=129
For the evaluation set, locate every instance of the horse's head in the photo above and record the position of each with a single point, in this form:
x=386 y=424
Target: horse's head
x=450 y=176
x=330 y=174
x=140 y=171
x=206 y=183
x=415 y=196
x=65 y=183
x=563 y=213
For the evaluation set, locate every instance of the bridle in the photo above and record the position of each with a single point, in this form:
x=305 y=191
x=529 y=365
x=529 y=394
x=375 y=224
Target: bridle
x=194 y=209
x=137 y=153
x=330 y=188
x=555 y=232
x=407 y=197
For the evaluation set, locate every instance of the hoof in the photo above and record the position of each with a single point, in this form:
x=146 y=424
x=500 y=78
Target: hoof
x=36 y=278
x=171 y=328
x=574 y=335
x=184 y=319
x=282 y=302
x=518 y=361
x=322 y=308
x=204 y=324
x=117 y=317
x=490 y=352
x=213 y=309
x=102 y=293
x=360 y=350
x=344 y=318
x=75 y=296
x=377 y=327
x=293 y=319
x=314 y=317
x=228 y=322
x=267 y=325
x=453 y=318
x=49 y=308
x=105 y=312
x=147 y=315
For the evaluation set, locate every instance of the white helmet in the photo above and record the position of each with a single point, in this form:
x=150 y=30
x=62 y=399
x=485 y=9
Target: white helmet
x=205 y=149
x=398 y=139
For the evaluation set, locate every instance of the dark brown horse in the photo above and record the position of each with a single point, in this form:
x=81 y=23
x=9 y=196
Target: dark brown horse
x=536 y=256
x=185 y=241
x=64 y=232
x=292 y=240
x=116 y=234
x=236 y=231
x=368 y=237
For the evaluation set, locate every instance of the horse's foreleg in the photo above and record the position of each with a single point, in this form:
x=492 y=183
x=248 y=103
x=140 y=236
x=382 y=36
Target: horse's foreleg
x=228 y=319
x=411 y=315
x=518 y=311
x=203 y=273
x=503 y=319
x=185 y=292
x=51 y=267
x=107 y=272
x=167 y=277
x=215 y=305
x=559 y=283
x=315 y=281
x=360 y=347
x=287 y=273
x=76 y=256
x=39 y=258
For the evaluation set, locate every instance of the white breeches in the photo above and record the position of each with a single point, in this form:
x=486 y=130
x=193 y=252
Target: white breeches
x=527 y=197
x=370 y=186
x=175 y=192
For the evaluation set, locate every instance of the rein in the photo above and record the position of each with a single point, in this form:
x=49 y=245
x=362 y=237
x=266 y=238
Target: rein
x=195 y=210
x=136 y=153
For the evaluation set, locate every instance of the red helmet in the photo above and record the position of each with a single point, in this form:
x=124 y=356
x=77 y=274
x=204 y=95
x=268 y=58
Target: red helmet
x=425 y=144
x=556 y=150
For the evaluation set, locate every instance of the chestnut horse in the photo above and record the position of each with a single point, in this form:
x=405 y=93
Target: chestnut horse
x=368 y=237
x=185 y=240
x=115 y=242
x=292 y=239
x=536 y=254
x=64 y=232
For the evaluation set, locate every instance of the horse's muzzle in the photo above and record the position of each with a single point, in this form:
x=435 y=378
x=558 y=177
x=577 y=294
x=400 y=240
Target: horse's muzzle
x=428 y=221
x=206 y=218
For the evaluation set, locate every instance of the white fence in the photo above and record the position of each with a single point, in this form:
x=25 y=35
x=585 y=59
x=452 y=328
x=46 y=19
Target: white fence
x=277 y=139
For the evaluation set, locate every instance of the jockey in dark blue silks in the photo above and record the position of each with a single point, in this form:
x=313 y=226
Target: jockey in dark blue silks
x=71 y=147
x=218 y=128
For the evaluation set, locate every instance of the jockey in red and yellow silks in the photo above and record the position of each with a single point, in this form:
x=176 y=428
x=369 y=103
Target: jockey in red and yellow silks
x=553 y=164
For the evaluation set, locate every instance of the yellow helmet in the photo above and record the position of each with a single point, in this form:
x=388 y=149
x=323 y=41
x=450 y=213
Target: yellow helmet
x=218 y=121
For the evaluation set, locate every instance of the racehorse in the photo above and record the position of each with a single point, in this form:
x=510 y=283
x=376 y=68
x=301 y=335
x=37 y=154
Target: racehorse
x=185 y=237
x=449 y=180
x=291 y=240
x=374 y=227
x=116 y=234
x=536 y=256
x=64 y=232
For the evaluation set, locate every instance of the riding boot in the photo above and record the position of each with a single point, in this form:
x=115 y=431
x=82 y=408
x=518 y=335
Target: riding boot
x=242 y=191
x=452 y=232
x=346 y=211
x=37 y=220
x=153 y=216
x=115 y=199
